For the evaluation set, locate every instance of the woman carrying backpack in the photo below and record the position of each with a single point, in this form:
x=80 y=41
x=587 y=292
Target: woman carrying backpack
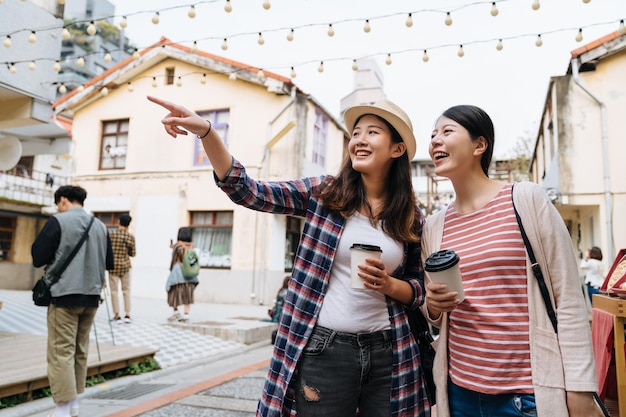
x=180 y=286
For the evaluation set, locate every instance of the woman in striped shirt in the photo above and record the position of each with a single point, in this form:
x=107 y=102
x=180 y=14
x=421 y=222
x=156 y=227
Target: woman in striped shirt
x=498 y=354
x=339 y=351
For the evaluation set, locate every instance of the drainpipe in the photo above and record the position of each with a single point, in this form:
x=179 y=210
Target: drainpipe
x=265 y=165
x=605 y=159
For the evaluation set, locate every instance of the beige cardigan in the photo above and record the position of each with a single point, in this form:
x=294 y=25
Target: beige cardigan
x=559 y=364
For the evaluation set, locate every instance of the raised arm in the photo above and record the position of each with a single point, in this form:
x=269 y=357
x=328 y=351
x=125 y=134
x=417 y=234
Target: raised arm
x=181 y=121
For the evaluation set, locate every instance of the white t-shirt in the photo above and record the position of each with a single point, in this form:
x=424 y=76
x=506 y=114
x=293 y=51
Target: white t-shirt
x=346 y=309
x=594 y=272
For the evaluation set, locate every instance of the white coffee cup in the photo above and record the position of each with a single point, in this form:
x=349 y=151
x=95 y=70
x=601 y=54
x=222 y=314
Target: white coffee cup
x=358 y=253
x=442 y=267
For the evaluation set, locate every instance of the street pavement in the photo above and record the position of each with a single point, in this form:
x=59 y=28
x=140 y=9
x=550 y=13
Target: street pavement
x=201 y=375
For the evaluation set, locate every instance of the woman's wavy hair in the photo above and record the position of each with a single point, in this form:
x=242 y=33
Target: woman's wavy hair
x=345 y=194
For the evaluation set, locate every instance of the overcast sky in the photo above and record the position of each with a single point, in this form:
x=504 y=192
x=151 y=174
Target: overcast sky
x=510 y=84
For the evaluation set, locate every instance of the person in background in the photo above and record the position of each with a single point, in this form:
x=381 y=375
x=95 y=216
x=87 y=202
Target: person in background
x=75 y=296
x=340 y=351
x=180 y=291
x=593 y=267
x=123 y=248
x=497 y=352
x=275 y=311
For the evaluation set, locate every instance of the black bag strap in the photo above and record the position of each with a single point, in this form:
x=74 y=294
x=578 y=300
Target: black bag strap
x=545 y=294
x=67 y=261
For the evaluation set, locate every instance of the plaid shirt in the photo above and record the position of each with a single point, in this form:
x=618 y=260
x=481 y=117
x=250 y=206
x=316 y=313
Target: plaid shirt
x=122 y=243
x=308 y=285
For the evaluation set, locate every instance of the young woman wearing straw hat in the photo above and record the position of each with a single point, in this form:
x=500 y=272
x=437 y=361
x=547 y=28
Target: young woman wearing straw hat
x=339 y=350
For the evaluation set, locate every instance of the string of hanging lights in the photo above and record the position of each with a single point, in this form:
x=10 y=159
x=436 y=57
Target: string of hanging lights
x=192 y=12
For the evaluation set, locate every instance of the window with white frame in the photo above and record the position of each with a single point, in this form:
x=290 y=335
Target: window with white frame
x=320 y=137
x=211 y=234
x=219 y=122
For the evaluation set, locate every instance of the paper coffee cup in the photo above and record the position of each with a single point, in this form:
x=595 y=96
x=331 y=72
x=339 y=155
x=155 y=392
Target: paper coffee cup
x=443 y=268
x=358 y=253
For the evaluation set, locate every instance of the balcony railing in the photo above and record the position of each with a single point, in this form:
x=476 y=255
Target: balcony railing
x=34 y=187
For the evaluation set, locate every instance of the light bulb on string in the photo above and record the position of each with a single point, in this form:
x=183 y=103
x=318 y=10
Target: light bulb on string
x=425 y=57
x=136 y=54
x=91 y=29
x=104 y=91
x=130 y=87
x=62 y=89
x=461 y=53
x=57 y=66
x=107 y=57
x=355 y=66
x=260 y=40
x=320 y=68
x=124 y=22
x=367 y=28
x=535 y=5
x=388 y=60
x=80 y=88
x=266 y=4
x=203 y=79
x=494 y=9
x=179 y=82
x=448 y=20
x=32 y=66
x=162 y=52
x=192 y=12
x=232 y=76
x=154 y=82
x=224 y=44
x=290 y=35
x=65 y=34
x=579 y=35
x=499 y=46
x=538 y=42
x=331 y=31
x=80 y=61
x=12 y=68
x=194 y=47
x=409 y=21
x=156 y=18
x=228 y=7
x=32 y=38
x=622 y=28
x=7 y=41
x=260 y=75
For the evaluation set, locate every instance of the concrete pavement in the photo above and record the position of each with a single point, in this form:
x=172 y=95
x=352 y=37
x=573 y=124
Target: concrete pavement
x=202 y=374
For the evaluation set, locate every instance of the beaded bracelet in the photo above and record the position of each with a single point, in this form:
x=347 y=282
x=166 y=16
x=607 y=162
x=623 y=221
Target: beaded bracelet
x=207 y=132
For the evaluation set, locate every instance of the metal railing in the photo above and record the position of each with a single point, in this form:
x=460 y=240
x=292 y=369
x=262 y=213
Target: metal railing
x=34 y=187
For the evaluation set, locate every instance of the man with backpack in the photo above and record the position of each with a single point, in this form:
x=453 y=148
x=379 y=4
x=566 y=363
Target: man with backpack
x=183 y=278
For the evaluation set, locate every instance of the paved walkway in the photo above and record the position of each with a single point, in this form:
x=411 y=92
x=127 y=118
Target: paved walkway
x=176 y=343
x=202 y=374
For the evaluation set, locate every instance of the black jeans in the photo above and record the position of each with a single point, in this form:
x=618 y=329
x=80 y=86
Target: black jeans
x=340 y=372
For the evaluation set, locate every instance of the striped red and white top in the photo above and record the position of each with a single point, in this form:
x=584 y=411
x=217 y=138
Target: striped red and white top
x=489 y=339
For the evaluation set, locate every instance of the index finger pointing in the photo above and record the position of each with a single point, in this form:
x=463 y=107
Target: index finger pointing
x=169 y=106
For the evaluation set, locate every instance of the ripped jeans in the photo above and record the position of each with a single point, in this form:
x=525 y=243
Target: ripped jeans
x=340 y=372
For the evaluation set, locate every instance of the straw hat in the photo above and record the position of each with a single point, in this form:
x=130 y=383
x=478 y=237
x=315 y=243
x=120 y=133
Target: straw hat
x=392 y=114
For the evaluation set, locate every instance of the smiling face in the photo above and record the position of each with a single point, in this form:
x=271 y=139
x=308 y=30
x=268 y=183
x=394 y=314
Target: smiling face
x=453 y=150
x=371 y=147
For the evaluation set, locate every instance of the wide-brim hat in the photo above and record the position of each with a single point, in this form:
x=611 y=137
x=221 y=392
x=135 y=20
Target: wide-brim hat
x=393 y=114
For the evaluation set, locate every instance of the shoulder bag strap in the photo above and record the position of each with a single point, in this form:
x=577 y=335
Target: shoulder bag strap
x=545 y=294
x=67 y=261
